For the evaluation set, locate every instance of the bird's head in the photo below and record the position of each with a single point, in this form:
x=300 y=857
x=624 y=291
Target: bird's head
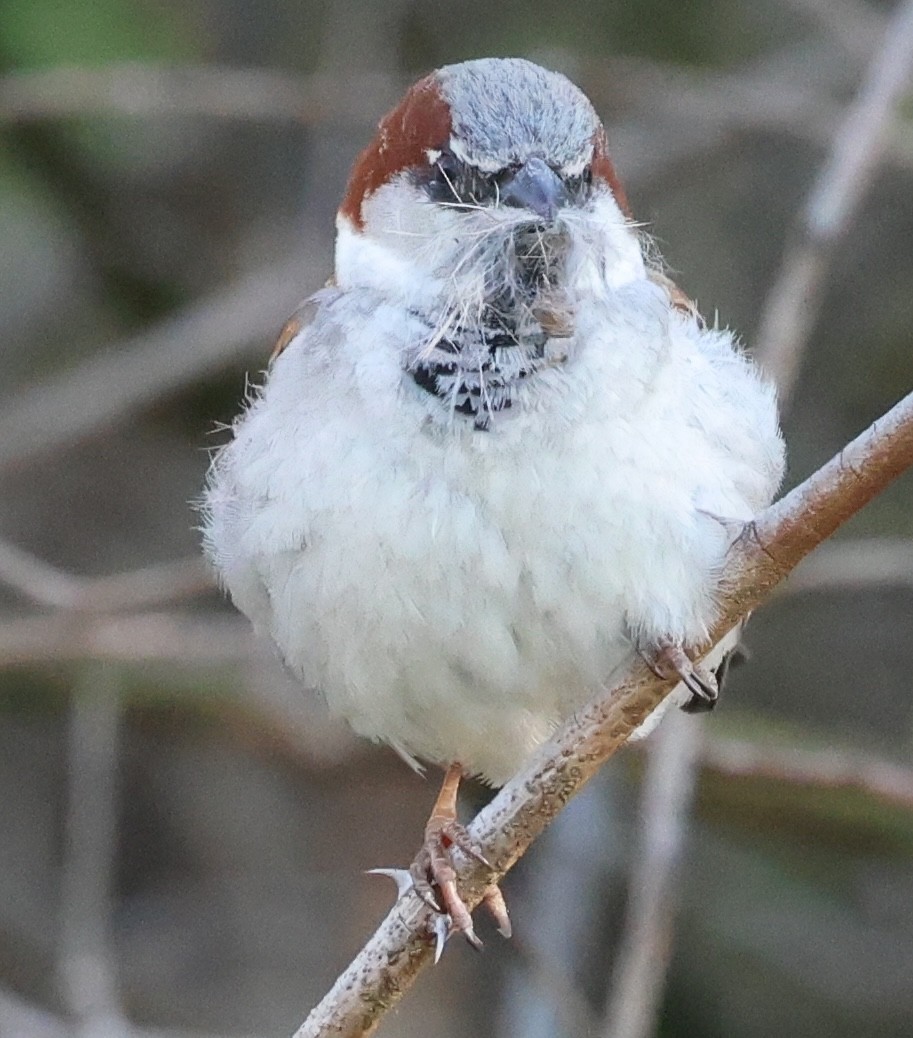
x=488 y=194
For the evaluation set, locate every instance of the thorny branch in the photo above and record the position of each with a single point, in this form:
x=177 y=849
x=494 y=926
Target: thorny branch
x=773 y=545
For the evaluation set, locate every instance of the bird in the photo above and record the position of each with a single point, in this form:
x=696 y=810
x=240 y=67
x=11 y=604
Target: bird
x=498 y=456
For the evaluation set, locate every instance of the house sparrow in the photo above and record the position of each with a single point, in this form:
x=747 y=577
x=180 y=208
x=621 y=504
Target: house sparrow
x=498 y=455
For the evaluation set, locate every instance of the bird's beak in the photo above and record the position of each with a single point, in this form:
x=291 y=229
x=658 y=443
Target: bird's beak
x=537 y=187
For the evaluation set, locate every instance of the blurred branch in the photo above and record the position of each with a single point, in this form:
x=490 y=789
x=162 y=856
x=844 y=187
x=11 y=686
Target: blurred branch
x=156 y=585
x=213 y=332
x=791 y=91
x=552 y=982
x=673 y=756
x=566 y=880
x=149 y=638
x=827 y=769
x=86 y=965
x=673 y=753
x=761 y=95
x=214 y=91
x=19 y=1019
x=795 y=298
x=854 y=24
x=184 y=348
x=769 y=549
x=867 y=563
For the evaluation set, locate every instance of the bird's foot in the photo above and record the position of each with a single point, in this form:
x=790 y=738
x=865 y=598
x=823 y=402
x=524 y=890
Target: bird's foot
x=434 y=879
x=433 y=876
x=671 y=661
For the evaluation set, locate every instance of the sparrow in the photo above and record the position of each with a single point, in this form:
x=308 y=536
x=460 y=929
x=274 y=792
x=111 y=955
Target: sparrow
x=498 y=455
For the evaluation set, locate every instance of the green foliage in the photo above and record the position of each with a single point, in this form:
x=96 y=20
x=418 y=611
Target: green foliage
x=36 y=33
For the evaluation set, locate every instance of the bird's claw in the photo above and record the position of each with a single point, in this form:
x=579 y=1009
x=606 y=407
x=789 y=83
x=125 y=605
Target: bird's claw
x=434 y=880
x=433 y=877
x=671 y=661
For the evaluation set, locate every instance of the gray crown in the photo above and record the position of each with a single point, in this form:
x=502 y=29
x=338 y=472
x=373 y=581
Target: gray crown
x=507 y=110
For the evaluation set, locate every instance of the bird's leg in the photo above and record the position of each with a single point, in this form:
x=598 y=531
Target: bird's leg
x=671 y=661
x=433 y=874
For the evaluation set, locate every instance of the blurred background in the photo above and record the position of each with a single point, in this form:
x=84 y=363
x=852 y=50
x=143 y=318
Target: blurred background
x=183 y=832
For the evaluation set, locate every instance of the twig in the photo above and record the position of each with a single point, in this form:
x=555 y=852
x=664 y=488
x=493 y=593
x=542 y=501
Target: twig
x=566 y=881
x=855 y=25
x=155 y=585
x=549 y=996
x=20 y=1019
x=796 y=295
x=180 y=350
x=673 y=757
x=209 y=334
x=844 y=565
x=790 y=91
x=669 y=784
x=772 y=545
x=829 y=769
x=86 y=966
x=149 y=637
x=214 y=91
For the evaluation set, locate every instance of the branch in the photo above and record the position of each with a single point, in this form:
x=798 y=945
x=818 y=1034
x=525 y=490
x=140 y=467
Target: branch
x=865 y=564
x=795 y=298
x=768 y=550
x=86 y=967
x=149 y=637
x=854 y=25
x=823 y=769
x=638 y=980
x=156 y=585
x=215 y=91
x=183 y=348
x=670 y=779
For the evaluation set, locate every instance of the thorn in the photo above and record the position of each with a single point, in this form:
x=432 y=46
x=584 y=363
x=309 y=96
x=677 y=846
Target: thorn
x=401 y=877
x=441 y=926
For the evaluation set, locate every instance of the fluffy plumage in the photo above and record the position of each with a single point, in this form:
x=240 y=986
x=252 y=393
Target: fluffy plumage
x=457 y=542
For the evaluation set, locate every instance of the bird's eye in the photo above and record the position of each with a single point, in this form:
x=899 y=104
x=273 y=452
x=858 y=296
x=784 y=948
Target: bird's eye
x=445 y=177
x=579 y=186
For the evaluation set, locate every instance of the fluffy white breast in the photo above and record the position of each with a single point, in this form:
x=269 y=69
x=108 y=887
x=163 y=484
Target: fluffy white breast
x=455 y=592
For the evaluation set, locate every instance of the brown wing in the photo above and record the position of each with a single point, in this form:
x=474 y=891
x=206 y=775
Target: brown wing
x=299 y=320
x=677 y=298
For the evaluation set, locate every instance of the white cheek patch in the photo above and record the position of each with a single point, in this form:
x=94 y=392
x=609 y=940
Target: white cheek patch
x=432 y=154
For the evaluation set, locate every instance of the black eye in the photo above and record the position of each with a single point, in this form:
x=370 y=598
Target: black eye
x=446 y=178
x=579 y=187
